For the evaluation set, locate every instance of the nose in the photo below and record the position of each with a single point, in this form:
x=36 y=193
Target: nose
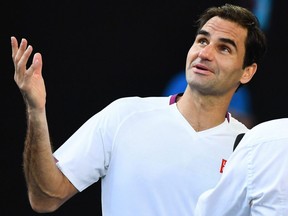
x=206 y=52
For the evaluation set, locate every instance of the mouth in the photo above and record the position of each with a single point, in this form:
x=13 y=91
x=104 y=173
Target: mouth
x=201 y=68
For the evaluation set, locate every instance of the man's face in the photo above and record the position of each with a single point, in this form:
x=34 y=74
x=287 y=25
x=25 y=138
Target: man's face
x=214 y=62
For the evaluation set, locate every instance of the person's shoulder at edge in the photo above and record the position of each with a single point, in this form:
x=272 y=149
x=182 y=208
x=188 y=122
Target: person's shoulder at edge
x=264 y=132
x=274 y=128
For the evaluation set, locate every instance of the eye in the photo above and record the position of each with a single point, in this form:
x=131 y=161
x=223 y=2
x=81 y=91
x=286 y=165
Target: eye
x=225 y=49
x=203 y=41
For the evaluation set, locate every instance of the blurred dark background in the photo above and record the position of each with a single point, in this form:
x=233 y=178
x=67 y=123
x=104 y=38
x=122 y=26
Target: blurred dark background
x=97 y=51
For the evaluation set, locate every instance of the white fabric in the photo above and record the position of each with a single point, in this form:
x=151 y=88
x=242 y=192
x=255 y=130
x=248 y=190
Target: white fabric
x=255 y=179
x=149 y=158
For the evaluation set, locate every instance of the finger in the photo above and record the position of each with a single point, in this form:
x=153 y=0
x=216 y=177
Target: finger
x=21 y=50
x=21 y=65
x=14 y=46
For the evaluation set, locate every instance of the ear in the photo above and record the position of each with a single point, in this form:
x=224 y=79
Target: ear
x=248 y=73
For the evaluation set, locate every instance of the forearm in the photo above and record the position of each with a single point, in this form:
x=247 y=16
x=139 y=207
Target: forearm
x=48 y=188
x=46 y=184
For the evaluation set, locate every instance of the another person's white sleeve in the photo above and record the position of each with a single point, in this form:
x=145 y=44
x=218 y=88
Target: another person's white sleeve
x=223 y=200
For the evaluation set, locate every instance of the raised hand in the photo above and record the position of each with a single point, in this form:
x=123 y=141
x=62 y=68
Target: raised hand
x=29 y=79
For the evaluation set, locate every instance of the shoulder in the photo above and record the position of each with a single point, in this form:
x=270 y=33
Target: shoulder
x=140 y=102
x=236 y=125
x=277 y=123
x=123 y=107
x=273 y=131
x=276 y=128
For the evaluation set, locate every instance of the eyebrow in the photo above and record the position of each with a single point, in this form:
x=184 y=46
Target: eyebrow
x=224 y=40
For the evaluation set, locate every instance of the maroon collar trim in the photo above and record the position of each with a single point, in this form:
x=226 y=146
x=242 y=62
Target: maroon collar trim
x=173 y=99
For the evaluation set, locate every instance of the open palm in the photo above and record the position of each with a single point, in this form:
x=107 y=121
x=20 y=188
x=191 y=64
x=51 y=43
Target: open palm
x=29 y=80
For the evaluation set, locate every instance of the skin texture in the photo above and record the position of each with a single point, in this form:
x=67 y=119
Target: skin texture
x=214 y=71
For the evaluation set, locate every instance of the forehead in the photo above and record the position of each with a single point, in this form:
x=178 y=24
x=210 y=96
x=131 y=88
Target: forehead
x=221 y=28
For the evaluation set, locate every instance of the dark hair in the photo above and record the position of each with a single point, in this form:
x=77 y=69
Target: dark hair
x=255 y=44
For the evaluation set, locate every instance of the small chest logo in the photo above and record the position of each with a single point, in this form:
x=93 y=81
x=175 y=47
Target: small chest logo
x=222 y=165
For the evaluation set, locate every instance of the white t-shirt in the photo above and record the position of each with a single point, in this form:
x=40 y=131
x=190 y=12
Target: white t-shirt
x=255 y=179
x=149 y=158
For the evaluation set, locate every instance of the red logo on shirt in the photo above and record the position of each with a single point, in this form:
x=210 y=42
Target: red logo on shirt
x=222 y=165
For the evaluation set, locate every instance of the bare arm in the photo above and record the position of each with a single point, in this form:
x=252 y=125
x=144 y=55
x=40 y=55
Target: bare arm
x=47 y=187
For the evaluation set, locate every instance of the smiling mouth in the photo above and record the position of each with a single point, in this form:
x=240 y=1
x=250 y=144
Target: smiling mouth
x=201 y=69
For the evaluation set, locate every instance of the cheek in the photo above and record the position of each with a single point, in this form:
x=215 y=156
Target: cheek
x=227 y=71
x=230 y=67
x=233 y=76
x=191 y=56
x=233 y=64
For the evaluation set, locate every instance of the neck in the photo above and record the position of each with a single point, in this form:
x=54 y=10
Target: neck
x=203 y=112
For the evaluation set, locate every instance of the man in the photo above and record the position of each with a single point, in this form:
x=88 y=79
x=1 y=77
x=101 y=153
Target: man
x=254 y=181
x=152 y=158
